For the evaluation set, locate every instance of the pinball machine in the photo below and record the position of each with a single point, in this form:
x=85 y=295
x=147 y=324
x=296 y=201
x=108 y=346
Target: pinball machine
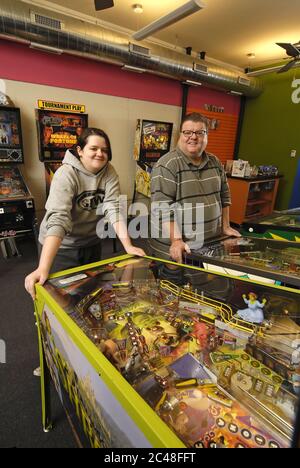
x=57 y=132
x=250 y=256
x=17 y=212
x=284 y=225
x=153 y=355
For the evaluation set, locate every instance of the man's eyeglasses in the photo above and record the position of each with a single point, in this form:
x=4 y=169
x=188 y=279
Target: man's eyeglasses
x=198 y=133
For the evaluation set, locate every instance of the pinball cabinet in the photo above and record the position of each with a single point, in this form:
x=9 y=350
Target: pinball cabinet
x=265 y=259
x=149 y=356
x=17 y=212
x=280 y=225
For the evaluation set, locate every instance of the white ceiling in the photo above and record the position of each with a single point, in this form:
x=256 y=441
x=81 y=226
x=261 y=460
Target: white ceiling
x=227 y=30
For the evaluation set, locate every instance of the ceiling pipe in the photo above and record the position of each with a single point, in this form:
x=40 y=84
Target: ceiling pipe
x=108 y=46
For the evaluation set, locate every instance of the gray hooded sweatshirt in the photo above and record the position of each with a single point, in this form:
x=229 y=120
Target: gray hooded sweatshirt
x=72 y=206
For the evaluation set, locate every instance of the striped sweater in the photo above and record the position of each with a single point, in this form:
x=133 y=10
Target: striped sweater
x=175 y=179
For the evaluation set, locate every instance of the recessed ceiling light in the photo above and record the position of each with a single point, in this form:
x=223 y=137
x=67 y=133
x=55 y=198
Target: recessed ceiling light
x=137 y=8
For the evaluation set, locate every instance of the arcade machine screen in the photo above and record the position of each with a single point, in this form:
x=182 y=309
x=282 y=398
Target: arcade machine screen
x=11 y=146
x=216 y=358
x=58 y=131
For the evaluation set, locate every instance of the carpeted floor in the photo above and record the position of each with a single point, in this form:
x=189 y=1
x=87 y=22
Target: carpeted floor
x=20 y=406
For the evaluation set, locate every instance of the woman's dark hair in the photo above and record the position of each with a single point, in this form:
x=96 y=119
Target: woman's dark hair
x=83 y=140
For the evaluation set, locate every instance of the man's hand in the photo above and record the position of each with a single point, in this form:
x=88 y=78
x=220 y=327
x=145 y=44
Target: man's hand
x=177 y=248
x=229 y=231
x=36 y=276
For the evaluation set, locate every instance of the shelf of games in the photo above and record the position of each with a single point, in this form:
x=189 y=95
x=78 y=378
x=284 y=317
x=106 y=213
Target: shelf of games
x=252 y=198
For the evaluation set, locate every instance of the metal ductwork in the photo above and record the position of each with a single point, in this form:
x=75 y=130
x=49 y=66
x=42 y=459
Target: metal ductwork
x=36 y=26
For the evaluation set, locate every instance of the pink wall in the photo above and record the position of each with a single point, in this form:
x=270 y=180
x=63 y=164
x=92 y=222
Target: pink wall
x=19 y=62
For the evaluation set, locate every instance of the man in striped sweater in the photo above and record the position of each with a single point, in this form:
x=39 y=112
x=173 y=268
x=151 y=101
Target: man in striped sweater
x=186 y=183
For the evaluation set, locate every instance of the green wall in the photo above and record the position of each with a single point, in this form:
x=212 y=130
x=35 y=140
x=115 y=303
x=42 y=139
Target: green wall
x=271 y=129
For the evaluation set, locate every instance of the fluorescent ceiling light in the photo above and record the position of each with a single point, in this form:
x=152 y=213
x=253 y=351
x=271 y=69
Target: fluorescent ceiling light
x=182 y=12
x=264 y=71
x=192 y=83
x=133 y=69
x=235 y=93
x=45 y=48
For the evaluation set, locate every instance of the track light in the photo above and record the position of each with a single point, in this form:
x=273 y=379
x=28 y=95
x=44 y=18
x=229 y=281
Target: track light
x=45 y=48
x=182 y=12
x=133 y=69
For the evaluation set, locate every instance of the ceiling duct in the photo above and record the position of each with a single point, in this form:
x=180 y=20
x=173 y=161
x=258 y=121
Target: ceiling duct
x=96 y=42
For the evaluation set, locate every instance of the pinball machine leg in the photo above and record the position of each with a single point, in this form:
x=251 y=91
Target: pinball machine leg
x=3 y=248
x=46 y=397
x=45 y=383
x=13 y=247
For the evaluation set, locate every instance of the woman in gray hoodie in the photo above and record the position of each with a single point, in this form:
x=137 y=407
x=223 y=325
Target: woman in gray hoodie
x=85 y=182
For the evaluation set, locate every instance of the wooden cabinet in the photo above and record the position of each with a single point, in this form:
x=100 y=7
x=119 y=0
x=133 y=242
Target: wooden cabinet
x=252 y=198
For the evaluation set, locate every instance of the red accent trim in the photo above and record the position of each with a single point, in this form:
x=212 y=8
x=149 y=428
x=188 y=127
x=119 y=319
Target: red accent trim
x=70 y=72
x=66 y=71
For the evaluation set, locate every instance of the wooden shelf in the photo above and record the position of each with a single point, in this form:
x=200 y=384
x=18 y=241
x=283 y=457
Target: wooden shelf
x=249 y=217
x=242 y=203
x=257 y=202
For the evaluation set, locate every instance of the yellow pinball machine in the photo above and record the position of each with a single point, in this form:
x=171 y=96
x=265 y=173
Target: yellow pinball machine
x=149 y=353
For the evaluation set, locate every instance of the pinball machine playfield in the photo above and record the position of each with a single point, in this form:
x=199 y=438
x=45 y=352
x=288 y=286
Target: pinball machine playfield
x=153 y=356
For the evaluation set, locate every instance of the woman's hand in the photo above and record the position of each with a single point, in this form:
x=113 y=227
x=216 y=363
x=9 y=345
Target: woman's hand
x=37 y=276
x=131 y=250
x=177 y=248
